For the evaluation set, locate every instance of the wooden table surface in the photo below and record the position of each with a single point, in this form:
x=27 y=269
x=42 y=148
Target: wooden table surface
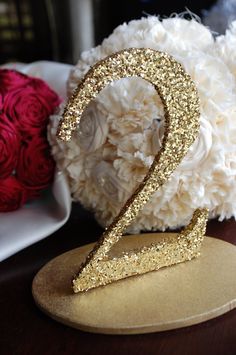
x=26 y=330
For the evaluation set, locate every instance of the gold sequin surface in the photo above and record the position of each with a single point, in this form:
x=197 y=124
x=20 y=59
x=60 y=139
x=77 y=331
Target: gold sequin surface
x=181 y=104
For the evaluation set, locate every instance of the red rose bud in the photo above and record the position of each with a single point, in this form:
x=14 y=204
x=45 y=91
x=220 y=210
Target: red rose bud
x=12 y=194
x=29 y=109
x=9 y=147
x=35 y=169
x=51 y=99
x=11 y=80
x=1 y=103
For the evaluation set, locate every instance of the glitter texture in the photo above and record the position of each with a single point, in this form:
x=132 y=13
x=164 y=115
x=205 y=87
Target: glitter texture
x=181 y=104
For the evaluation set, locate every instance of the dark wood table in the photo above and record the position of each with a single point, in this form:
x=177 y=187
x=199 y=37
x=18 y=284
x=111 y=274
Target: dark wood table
x=26 y=330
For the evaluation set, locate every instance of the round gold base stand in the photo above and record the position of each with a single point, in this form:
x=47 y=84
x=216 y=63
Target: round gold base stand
x=173 y=297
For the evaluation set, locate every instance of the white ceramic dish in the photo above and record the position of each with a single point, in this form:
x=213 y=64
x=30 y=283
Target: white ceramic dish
x=35 y=220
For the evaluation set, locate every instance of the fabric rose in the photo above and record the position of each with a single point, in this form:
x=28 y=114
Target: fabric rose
x=29 y=108
x=11 y=79
x=93 y=129
x=12 y=194
x=35 y=165
x=9 y=146
x=51 y=99
x=105 y=178
x=1 y=102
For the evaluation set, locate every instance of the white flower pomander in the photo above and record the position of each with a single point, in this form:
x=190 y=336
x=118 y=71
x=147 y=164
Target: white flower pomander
x=122 y=130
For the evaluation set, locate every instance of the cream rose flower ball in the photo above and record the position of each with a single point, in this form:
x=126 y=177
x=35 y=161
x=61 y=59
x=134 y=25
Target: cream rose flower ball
x=121 y=131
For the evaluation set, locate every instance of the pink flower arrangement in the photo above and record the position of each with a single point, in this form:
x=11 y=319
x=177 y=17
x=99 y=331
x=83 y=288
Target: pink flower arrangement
x=26 y=165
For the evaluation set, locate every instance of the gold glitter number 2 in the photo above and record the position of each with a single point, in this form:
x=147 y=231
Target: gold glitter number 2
x=181 y=103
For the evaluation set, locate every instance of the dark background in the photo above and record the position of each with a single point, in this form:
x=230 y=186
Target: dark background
x=41 y=29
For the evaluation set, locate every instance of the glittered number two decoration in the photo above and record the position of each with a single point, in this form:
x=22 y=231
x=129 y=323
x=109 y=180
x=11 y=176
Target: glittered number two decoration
x=181 y=104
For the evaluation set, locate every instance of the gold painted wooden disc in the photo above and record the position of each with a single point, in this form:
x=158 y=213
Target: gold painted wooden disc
x=173 y=297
